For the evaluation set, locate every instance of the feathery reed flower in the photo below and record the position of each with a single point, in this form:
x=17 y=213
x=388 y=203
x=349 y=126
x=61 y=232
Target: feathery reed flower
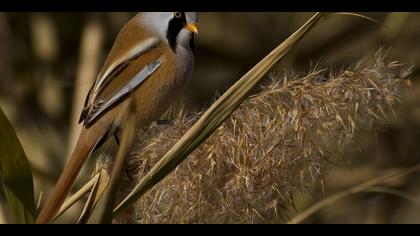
x=273 y=146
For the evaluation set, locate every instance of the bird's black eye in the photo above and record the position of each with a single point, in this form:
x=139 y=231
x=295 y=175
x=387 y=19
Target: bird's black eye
x=178 y=14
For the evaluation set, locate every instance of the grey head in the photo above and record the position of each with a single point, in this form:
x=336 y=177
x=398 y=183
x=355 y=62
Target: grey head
x=177 y=28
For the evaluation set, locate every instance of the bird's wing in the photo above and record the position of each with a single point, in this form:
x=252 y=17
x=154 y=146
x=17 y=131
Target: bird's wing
x=124 y=56
x=132 y=59
x=104 y=100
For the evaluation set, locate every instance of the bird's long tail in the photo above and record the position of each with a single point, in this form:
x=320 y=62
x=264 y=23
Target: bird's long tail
x=84 y=147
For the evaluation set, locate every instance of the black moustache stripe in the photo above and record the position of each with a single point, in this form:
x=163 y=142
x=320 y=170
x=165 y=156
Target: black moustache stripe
x=174 y=27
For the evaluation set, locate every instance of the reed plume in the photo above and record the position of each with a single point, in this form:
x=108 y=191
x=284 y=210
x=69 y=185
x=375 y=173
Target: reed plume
x=274 y=145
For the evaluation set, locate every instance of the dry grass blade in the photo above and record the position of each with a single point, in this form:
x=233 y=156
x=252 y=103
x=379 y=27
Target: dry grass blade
x=79 y=194
x=97 y=190
x=301 y=217
x=215 y=115
x=394 y=192
x=357 y=15
x=103 y=212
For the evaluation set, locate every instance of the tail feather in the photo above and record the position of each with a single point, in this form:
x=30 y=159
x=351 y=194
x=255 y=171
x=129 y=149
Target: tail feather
x=59 y=193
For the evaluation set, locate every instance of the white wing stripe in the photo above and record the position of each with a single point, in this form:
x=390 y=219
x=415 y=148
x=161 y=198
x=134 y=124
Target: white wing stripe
x=136 y=51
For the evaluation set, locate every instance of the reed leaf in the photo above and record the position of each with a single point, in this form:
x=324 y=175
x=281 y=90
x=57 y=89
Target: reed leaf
x=4 y=206
x=16 y=175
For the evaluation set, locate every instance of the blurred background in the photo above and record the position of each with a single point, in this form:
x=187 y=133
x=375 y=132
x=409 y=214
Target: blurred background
x=49 y=60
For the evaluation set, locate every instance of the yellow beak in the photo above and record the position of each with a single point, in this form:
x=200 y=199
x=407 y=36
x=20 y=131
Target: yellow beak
x=193 y=27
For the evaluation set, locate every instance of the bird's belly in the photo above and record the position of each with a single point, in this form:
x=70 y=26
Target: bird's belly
x=153 y=100
x=154 y=96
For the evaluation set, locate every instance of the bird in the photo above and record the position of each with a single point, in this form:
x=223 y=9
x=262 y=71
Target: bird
x=149 y=64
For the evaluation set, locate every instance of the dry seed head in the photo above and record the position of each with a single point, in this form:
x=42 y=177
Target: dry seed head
x=273 y=146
